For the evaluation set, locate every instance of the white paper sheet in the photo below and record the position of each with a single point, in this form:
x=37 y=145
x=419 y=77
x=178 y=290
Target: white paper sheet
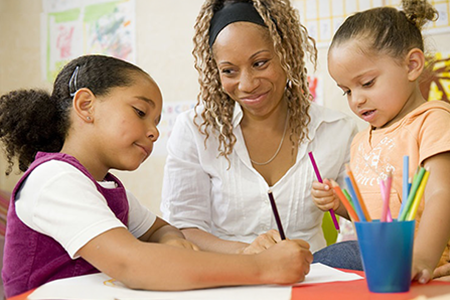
x=321 y=274
x=100 y=286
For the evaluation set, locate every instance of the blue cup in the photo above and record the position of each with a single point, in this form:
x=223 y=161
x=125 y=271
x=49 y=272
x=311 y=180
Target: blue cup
x=386 y=251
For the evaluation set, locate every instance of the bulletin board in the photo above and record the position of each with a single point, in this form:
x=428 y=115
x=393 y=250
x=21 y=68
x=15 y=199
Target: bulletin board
x=323 y=17
x=73 y=28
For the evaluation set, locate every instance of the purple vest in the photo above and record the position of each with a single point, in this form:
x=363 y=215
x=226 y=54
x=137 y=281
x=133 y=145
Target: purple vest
x=31 y=258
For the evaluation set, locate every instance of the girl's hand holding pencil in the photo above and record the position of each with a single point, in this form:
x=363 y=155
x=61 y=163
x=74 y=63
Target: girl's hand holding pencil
x=323 y=196
x=414 y=192
x=319 y=179
x=355 y=205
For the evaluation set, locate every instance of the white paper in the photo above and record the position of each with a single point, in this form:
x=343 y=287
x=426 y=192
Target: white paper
x=93 y=287
x=100 y=286
x=321 y=274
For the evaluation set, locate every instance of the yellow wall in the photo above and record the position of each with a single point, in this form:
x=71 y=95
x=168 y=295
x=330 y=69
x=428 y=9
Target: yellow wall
x=164 y=44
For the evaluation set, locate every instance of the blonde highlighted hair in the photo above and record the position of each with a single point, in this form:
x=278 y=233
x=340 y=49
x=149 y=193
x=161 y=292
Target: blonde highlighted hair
x=292 y=44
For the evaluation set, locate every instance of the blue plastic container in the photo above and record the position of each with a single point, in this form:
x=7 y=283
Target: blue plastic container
x=386 y=251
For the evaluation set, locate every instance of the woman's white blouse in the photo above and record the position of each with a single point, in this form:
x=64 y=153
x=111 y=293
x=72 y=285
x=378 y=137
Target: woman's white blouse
x=230 y=200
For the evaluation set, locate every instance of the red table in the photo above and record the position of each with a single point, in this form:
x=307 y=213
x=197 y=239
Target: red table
x=357 y=290
x=350 y=290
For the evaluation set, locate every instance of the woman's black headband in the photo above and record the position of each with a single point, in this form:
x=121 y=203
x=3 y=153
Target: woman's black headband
x=231 y=13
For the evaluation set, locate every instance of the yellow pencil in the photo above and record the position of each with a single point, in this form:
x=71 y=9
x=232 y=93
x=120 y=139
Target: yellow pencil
x=415 y=205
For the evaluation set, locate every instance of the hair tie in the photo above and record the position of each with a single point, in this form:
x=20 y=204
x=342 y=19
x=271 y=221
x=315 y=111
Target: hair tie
x=73 y=86
x=231 y=13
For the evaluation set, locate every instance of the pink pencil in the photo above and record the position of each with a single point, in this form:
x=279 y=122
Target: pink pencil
x=386 y=195
x=319 y=178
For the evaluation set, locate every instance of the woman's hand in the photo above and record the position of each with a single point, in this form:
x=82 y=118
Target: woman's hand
x=263 y=242
x=287 y=262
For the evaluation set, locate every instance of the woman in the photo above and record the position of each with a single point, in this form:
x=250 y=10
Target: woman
x=250 y=132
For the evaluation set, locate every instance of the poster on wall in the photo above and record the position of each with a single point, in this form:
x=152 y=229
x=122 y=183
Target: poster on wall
x=323 y=17
x=435 y=82
x=316 y=88
x=76 y=27
x=169 y=114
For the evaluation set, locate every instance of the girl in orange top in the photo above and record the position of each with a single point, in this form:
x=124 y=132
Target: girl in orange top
x=376 y=58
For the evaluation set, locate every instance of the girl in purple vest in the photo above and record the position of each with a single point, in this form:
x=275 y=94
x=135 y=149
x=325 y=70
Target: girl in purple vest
x=69 y=216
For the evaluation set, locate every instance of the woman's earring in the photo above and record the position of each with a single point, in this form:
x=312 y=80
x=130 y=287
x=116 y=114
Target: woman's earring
x=289 y=84
x=88 y=118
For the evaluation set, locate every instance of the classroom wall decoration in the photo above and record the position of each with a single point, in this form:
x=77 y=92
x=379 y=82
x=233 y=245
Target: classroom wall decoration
x=323 y=17
x=435 y=82
x=71 y=28
x=169 y=114
x=315 y=83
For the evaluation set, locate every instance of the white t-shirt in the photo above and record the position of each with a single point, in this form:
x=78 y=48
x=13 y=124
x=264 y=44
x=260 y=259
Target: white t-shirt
x=58 y=200
x=230 y=201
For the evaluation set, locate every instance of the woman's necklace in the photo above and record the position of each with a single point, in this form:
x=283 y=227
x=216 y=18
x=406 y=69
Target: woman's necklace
x=279 y=146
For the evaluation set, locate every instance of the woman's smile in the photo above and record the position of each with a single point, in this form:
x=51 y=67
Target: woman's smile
x=254 y=99
x=250 y=70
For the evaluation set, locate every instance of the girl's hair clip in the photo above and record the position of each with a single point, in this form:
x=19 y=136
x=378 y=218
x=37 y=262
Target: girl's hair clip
x=73 y=82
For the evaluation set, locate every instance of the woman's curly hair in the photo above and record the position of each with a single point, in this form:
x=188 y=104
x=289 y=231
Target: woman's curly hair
x=292 y=44
x=33 y=120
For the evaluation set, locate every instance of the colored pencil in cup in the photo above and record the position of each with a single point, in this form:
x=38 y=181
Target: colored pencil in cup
x=357 y=195
x=345 y=201
x=319 y=178
x=405 y=180
x=349 y=198
x=415 y=205
x=356 y=202
x=386 y=194
x=276 y=215
x=412 y=194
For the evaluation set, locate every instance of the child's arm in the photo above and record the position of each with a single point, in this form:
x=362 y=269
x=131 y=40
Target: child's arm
x=164 y=233
x=155 y=266
x=325 y=198
x=209 y=242
x=434 y=227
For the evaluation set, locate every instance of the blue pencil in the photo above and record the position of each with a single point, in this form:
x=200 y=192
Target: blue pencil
x=355 y=200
